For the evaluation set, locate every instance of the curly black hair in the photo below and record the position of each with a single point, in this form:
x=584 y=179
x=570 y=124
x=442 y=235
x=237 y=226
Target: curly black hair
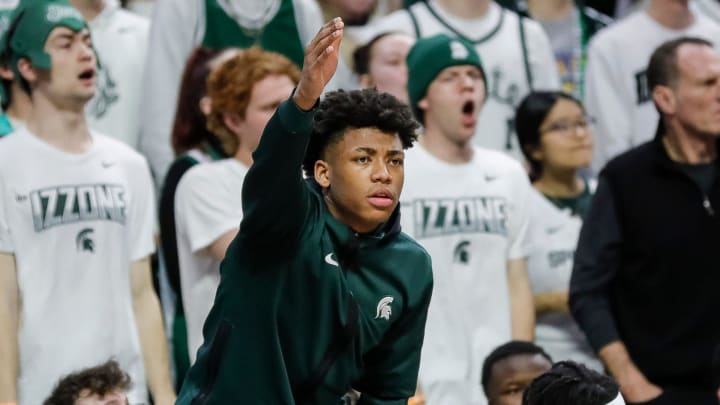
x=99 y=380
x=570 y=383
x=342 y=110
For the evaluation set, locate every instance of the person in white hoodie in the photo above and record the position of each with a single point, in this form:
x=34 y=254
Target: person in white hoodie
x=244 y=92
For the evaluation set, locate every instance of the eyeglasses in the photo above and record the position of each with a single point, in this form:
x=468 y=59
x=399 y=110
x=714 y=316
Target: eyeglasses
x=570 y=127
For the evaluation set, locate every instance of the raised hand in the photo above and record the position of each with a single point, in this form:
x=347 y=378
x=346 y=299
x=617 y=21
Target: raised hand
x=321 y=59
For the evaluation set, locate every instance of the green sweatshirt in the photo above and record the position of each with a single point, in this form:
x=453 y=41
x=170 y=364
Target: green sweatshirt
x=296 y=282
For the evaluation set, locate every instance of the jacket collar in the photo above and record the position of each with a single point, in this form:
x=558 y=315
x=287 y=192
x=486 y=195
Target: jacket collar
x=663 y=158
x=344 y=235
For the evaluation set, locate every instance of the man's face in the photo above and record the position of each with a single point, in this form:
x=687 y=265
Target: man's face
x=266 y=96
x=116 y=397
x=453 y=101
x=510 y=377
x=697 y=92
x=73 y=71
x=362 y=175
x=387 y=69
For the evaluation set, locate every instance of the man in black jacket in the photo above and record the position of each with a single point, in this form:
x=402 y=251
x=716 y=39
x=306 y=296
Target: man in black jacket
x=644 y=286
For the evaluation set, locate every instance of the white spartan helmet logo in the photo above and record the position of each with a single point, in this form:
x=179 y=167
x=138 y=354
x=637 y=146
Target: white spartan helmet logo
x=383 y=308
x=458 y=50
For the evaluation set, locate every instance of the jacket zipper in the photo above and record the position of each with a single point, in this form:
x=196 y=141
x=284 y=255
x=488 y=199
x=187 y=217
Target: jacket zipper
x=708 y=207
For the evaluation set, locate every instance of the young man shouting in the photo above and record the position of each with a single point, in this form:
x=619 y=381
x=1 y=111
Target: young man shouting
x=76 y=226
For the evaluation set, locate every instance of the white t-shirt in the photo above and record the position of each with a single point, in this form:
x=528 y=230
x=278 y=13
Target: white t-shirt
x=555 y=233
x=616 y=91
x=208 y=204
x=74 y=223
x=497 y=39
x=472 y=219
x=708 y=8
x=120 y=38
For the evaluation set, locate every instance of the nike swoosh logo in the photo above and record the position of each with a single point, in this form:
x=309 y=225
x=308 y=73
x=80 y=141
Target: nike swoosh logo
x=329 y=260
x=106 y=165
x=553 y=230
x=490 y=178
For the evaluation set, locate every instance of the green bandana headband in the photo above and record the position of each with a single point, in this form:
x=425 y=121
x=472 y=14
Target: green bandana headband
x=30 y=27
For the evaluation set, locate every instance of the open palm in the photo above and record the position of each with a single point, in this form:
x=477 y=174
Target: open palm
x=320 y=64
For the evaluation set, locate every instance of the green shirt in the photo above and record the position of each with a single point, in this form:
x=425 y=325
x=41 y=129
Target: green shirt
x=578 y=205
x=279 y=35
x=290 y=285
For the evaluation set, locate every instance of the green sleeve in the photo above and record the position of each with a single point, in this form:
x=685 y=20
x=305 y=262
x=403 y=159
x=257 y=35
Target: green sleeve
x=391 y=369
x=274 y=196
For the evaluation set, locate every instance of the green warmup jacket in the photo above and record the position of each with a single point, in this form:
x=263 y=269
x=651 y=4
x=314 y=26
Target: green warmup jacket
x=306 y=308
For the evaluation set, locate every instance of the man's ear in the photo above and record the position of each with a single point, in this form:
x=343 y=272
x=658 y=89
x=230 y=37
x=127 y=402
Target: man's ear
x=322 y=173
x=233 y=122
x=204 y=104
x=423 y=104
x=664 y=99
x=27 y=71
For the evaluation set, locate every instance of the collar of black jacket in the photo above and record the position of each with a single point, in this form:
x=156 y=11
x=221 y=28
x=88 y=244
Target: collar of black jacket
x=662 y=154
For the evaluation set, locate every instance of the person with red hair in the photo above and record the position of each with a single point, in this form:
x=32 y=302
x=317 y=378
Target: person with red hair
x=193 y=144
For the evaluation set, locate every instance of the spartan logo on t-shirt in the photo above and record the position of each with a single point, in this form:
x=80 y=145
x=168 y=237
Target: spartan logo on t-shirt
x=105 y=96
x=75 y=203
x=461 y=253
x=84 y=242
x=440 y=217
x=641 y=87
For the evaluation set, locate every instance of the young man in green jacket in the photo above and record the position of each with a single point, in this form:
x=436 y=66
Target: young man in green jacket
x=320 y=292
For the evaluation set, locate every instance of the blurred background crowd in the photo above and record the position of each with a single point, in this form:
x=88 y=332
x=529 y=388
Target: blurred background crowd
x=539 y=188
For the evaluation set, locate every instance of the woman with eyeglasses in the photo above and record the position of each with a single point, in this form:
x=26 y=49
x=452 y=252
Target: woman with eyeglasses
x=555 y=137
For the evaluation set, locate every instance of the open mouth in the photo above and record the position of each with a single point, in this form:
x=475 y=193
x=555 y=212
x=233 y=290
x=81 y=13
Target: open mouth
x=87 y=74
x=469 y=114
x=468 y=108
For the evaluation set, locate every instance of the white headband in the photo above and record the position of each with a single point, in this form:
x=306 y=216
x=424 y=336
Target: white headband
x=617 y=401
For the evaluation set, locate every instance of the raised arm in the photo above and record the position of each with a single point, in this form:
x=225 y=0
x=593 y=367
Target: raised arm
x=275 y=199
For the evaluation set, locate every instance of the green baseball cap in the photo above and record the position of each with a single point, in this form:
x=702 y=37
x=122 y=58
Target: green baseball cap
x=428 y=57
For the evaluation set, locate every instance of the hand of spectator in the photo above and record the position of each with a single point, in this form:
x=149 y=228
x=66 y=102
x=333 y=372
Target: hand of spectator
x=321 y=60
x=636 y=388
